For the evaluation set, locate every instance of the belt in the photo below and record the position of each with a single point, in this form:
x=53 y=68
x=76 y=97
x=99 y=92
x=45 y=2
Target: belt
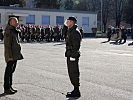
x=68 y=47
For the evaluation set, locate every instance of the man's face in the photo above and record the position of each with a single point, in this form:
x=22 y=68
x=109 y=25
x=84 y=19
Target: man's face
x=70 y=23
x=14 y=22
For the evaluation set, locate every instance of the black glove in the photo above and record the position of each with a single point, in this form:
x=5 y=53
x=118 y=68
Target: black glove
x=75 y=54
x=68 y=53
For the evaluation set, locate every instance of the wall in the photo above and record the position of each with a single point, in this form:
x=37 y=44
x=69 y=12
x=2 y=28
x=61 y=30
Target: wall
x=38 y=17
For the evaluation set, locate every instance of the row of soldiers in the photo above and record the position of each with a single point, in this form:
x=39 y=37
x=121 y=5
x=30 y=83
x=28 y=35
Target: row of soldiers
x=32 y=33
x=117 y=34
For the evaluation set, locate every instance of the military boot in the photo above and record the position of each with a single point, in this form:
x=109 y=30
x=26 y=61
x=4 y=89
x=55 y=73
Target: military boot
x=74 y=94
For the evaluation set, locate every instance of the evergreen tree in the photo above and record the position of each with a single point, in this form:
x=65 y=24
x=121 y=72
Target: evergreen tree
x=81 y=5
x=12 y=2
x=48 y=4
x=69 y=5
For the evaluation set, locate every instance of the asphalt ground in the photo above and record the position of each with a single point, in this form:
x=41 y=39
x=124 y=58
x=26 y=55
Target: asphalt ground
x=106 y=71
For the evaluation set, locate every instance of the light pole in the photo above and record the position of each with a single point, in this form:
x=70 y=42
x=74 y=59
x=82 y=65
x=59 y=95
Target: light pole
x=101 y=14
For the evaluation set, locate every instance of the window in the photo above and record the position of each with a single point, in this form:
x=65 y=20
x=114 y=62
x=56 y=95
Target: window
x=30 y=19
x=85 y=21
x=59 y=20
x=45 y=20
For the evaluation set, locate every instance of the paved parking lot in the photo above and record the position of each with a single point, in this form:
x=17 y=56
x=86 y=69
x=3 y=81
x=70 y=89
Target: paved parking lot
x=106 y=72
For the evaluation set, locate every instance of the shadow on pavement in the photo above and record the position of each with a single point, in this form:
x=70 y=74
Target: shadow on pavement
x=130 y=44
x=116 y=43
x=2 y=95
x=105 y=42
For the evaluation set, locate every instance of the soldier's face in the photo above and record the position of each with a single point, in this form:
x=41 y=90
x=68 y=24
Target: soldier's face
x=70 y=23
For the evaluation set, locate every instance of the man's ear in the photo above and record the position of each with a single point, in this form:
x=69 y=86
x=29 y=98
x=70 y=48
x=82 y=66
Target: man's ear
x=8 y=22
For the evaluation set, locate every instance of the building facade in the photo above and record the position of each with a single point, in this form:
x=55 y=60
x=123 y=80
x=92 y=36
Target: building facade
x=87 y=20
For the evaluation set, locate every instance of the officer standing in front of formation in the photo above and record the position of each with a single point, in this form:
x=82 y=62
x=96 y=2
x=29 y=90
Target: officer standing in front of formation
x=12 y=52
x=73 y=40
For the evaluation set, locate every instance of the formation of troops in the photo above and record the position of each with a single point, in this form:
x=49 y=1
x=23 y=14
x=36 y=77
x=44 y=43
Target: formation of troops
x=32 y=33
x=38 y=33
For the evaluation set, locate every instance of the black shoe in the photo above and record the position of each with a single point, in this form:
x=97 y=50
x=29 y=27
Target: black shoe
x=73 y=94
x=9 y=91
x=13 y=90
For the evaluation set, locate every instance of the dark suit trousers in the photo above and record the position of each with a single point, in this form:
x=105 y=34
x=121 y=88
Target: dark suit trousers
x=10 y=68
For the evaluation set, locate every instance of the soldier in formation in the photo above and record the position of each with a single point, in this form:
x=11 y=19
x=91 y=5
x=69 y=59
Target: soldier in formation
x=32 y=33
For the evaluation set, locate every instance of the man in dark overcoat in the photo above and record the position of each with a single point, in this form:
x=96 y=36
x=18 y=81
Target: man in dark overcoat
x=12 y=52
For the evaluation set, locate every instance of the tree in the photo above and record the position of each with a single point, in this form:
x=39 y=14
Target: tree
x=69 y=4
x=119 y=10
x=93 y=5
x=105 y=13
x=48 y=4
x=81 y=5
x=12 y=2
x=129 y=13
x=56 y=4
x=22 y=3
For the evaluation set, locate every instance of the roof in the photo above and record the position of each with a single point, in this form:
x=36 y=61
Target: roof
x=49 y=10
